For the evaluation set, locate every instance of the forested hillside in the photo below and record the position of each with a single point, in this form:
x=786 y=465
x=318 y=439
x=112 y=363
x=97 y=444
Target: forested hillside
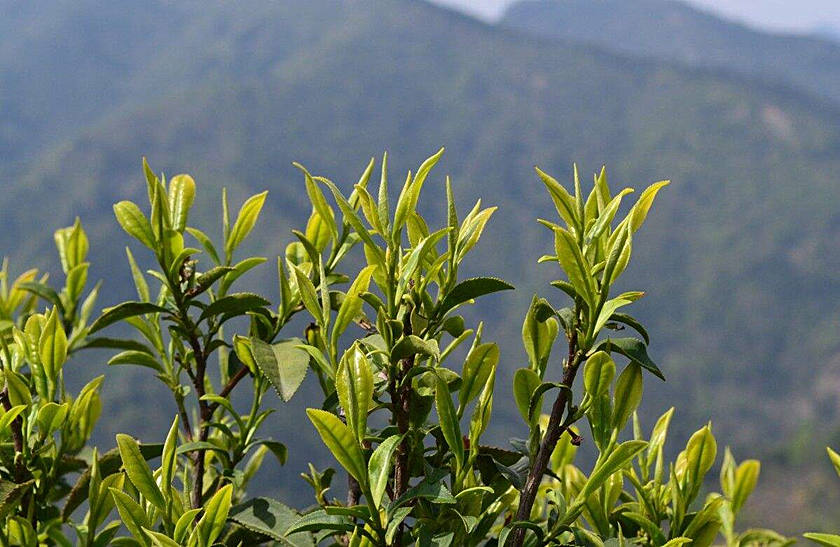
x=739 y=259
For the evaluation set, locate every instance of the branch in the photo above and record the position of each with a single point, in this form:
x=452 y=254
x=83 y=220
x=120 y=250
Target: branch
x=17 y=436
x=553 y=433
x=235 y=379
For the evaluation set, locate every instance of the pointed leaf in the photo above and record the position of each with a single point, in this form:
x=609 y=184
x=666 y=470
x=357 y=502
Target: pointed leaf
x=354 y=384
x=341 y=442
x=635 y=350
x=379 y=467
x=470 y=289
x=480 y=363
x=124 y=311
x=617 y=460
x=449 y=425
x=245 y=221
x=138 y=471
x=216 y=511
x=234 y=304
x=135 y=223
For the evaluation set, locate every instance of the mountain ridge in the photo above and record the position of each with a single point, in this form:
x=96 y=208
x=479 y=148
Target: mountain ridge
x=668 y=29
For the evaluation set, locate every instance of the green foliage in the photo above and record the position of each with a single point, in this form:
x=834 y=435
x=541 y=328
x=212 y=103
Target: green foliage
x=405 y=399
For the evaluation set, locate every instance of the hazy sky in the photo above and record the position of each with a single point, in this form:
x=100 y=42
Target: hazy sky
x=790 y=15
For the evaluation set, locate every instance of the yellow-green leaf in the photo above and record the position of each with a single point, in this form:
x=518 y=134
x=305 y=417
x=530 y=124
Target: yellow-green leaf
x=341 y=442
x=52 y=346
x=135 y=223
x=628 y=394
x=379 y=467
x=245 y=221
x=354 y=384
x=181 y=197
x=598 y=374
x=138 y=471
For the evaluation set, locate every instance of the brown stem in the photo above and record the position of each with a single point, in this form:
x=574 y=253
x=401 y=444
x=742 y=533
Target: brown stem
x=553 y=433
x=204 y=415
x=354 y=489
x=17 y=437
x=400 y=393
x=235 y=379
x=402 y=408
x=185 y=418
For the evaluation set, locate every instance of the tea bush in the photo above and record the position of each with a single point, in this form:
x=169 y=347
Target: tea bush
x=400 y=412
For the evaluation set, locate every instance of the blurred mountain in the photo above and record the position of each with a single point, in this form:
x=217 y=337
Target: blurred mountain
x=739 y=257
x=827 y=32
x=673 y=30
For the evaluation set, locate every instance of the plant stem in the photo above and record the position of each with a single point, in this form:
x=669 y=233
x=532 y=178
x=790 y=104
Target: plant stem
x=401 y=406
x=204 y=417
x=553 y=433
x=235 y=379
x=17 y=436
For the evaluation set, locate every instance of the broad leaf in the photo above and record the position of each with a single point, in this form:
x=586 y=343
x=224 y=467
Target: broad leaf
x=284 y=364
x=414 y=345
x=270 y=518
x=628 y=394
x=135 y=223
x=598 y=374
x=525 y=382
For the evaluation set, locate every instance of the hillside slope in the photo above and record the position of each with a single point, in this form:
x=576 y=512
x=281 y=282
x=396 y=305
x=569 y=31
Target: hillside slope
x=739 y=256
x=672 y=30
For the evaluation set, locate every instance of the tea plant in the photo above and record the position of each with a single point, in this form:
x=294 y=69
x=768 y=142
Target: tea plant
x=413 y=292
x=407 y=389
x=44 y=429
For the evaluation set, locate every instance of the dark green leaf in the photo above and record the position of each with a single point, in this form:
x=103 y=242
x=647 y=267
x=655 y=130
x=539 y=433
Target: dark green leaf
x=124 y=311
x=284 y=364
x=132 y=357
x=270 y=518
x=318 y=521
x=635 y=350
x=414 y=345
x=10 y=495
x=234 y=304
x=206 y=280
x=631 y=322
x=470 y=289
x=116 y=343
